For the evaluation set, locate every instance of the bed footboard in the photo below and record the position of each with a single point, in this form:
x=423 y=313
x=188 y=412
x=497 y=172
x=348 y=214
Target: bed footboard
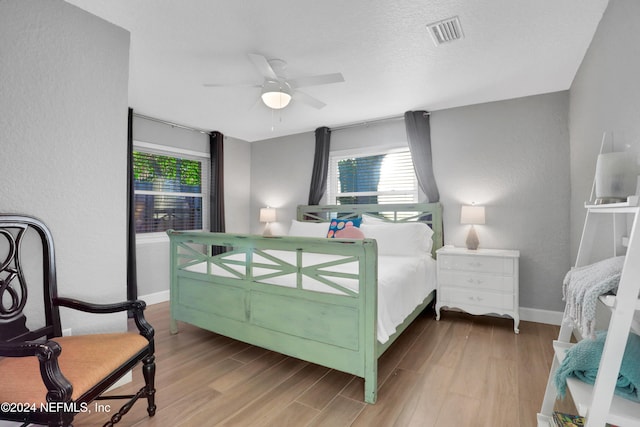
x=309 y=298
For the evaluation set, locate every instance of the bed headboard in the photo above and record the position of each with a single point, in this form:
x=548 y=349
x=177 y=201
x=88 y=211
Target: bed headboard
x=428 y=213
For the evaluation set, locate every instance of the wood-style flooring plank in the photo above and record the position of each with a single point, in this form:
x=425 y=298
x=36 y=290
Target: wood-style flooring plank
x=340 y=412
x=458 y=410
x=463 y=370
x=245 y=372
x=241 y=395
x=294 y=415
x=472 y=369
x=428 y=348
x=391 y=398
x=427 y=399
x=263 y=409
x=325 y=390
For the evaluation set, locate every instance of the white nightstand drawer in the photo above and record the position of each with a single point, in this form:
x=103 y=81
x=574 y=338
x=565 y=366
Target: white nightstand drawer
x=483 y=264
x=480 y=281
x=476 y=280
x=462 y=296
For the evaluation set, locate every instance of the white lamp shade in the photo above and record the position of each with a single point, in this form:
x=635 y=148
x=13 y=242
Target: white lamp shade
x=267 y=215
x=470 y=214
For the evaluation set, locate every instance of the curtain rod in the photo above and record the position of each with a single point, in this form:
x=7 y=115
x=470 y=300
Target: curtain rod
x=175 y=125
x=368 y=122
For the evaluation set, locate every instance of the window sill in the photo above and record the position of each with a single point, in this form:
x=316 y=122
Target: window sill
x=152 y=238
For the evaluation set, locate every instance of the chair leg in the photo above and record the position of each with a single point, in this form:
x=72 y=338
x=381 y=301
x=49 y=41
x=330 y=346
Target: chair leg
x=149 y=374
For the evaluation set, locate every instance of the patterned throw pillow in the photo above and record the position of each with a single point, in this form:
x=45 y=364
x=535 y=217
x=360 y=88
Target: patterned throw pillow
x=349 y=232
x=339 y=224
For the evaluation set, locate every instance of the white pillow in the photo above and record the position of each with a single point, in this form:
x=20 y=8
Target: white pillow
x=406 y=238
x=308 y=229
x=370 y=219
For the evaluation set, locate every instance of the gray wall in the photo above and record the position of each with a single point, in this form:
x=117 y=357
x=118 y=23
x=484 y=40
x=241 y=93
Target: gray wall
x=280 y=178
x=605 y=97
x=511 y=156
x=237 y=185
x=152 y=255
x=63 y=129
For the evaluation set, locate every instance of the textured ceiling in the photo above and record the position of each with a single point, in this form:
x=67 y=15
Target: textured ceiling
x=511 y=48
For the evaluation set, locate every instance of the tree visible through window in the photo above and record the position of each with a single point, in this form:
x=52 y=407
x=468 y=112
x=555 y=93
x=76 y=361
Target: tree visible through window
x=168 y=192
x=372 y=177
x=359 y=175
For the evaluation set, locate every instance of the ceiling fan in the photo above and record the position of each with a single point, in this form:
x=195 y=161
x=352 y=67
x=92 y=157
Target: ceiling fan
x=277 y=90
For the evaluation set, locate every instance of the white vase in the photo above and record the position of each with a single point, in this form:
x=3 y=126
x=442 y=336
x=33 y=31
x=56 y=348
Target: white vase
x=616 y=177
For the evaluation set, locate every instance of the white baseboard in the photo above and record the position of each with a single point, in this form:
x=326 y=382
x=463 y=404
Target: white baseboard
x=541 y=316
x=127 y=378
x=526 y=314
x=155 y=298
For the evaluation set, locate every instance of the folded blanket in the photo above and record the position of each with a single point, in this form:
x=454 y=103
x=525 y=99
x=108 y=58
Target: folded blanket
x=583 y=359
x=581 y=288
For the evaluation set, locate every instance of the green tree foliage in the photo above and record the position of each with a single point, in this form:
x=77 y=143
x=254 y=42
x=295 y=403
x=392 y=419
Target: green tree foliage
x=359 y=175
x=149 y=167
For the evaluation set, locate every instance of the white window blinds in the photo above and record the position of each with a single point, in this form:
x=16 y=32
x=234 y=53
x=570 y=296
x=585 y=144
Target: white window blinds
x=169 y=190
x=372 y=177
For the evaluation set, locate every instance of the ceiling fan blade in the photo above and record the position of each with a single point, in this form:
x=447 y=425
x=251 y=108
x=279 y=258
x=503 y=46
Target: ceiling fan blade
x=255 y=104
x=308 y=99
x=263 y=66
x=231 y=85
x=316 y=80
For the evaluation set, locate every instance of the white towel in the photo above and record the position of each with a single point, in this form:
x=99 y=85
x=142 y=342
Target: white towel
x=581 y=288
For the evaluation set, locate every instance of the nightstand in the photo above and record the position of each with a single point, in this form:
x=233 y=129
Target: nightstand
x=481 y=281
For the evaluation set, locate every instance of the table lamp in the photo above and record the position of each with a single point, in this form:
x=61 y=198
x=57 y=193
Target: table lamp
x=471 y=214
x=267 y=215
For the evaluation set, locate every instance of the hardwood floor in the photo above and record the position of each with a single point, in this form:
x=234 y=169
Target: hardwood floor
x=460 y=371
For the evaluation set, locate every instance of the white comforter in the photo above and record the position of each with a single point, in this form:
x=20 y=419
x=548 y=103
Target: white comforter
x=403 y=282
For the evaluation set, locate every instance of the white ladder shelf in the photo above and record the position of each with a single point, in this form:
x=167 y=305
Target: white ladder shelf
x=597 y=403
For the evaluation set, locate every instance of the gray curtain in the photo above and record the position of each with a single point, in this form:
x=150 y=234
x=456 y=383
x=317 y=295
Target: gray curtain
x=216 y=188
x=132 y=277
x=320 y=165
x=419 y=137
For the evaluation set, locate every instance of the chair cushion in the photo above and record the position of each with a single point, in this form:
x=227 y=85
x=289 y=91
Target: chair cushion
x=85 y=360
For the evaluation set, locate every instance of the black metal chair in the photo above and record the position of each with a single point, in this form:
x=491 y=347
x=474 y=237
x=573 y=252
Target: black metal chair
x=46 y=378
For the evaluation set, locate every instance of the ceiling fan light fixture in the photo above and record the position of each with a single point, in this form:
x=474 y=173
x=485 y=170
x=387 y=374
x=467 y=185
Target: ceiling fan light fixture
x=276 y=95
x=276 y=100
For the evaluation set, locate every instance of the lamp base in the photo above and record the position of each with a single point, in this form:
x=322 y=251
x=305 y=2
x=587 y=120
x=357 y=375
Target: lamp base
x=472 y=239
x=267 y=230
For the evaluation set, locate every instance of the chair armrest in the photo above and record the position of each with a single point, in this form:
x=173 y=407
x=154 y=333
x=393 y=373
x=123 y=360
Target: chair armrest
x=136 y=307
x=42 y=350
x=59 y=389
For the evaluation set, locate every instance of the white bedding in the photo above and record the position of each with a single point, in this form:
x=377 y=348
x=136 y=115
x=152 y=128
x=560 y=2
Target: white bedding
x=403 y=281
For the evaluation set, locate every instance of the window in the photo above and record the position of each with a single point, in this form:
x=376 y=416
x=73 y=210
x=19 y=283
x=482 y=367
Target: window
x=372 y=177
x=169 y=189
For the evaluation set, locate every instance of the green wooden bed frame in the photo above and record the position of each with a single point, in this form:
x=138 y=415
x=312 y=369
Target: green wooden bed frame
x=338 y=331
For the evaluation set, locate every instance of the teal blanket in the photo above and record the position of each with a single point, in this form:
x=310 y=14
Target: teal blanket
x=582 y=361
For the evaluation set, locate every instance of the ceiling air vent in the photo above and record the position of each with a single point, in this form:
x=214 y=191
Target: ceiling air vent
x=446 y=30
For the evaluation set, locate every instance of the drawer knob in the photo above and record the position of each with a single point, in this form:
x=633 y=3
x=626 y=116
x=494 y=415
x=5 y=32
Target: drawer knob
x=475 y=264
